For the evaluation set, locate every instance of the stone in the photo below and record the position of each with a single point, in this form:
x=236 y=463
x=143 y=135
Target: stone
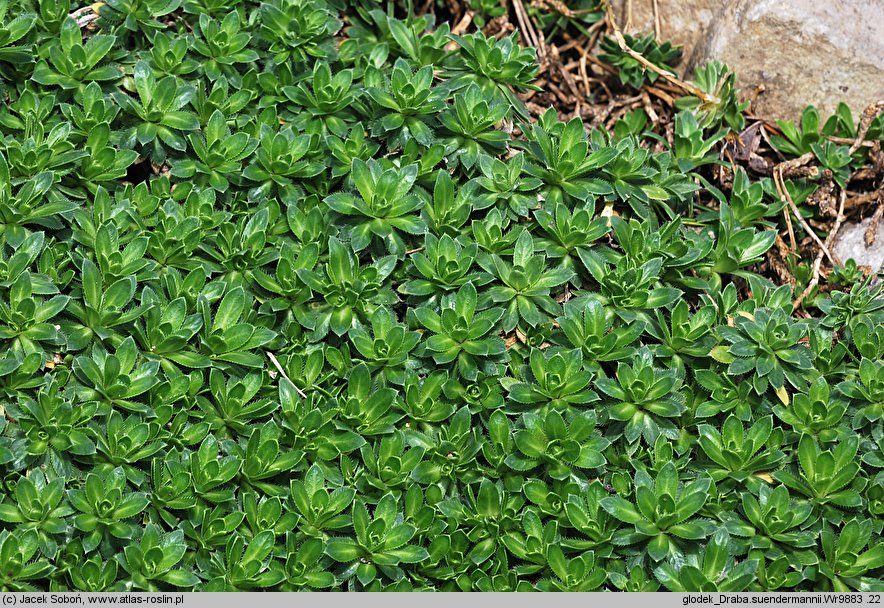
x=850 y=243
x=803 y=52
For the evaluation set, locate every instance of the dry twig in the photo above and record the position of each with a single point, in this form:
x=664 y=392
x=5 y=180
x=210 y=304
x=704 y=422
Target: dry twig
x=776 y=262
x=661 y=94
x=865 y=122
x=847 y=140
x=789 y=167
x=863 y=199
x=583 y=76
x=460 y=28
x=872 y=230
x=532 y=37
x=281 y=371
x=560 y=7
x=649 y=109
x=87 y=14
x=793 y=245
x=815 y=280
x=787 y=198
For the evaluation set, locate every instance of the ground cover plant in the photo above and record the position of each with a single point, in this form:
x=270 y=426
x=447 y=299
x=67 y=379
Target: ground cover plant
x=308 y=295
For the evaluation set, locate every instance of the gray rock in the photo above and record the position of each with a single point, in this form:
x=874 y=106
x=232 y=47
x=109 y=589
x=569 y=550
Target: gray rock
x=802 y=51
x=850 y=243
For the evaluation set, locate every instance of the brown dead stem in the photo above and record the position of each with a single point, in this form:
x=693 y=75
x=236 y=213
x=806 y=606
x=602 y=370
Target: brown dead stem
x=787 y=198
x=560 y=7
x=649 y=109
x=872 y=230
x=865 y=122
x=281 y=371
x=460 y=28
x=815 y=279
x=859 y=200
x=661 y=94
x=776 y=261
x=865 y=143
x=87 y=14
x=530 y=34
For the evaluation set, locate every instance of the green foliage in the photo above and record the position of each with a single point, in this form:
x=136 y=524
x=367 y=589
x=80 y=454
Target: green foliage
x=768 y=343
x=496 y=65
x=293 y=299
x=717 y=80
x=631 y=71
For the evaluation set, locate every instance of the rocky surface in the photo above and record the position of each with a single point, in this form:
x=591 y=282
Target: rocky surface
x=850 y=243
x=801 y=51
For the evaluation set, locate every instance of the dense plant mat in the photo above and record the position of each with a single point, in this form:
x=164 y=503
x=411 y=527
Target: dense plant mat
x=303 y=295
